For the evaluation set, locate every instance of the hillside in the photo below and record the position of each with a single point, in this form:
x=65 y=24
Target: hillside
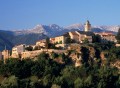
x=98 y=66
x=5 y=39
x=9 y=39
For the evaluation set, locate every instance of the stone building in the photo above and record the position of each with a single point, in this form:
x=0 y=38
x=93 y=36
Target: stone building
x=30 y=54
x=52 y=40
x=61 y=39
x=85 y=35
x=41 y=43
x=78 y=36
x=107 y=36
x=17 y=50
x=33 y=54
x=5 y=55
x=74 y=36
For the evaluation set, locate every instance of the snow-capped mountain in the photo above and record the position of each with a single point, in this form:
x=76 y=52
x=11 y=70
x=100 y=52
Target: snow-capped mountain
x=55 y=30
x=37 y=29
x=50 y=30
x=75 y=26
x=108 y=28
x=30 y=36
x=94 y=28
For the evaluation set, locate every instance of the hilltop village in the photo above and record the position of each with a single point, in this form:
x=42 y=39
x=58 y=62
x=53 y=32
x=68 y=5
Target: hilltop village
x=59 y=44
x=76 y=59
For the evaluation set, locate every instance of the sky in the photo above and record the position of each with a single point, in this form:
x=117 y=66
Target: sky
x=25 y=14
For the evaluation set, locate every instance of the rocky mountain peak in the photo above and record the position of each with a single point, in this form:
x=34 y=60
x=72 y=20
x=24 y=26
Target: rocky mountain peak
x=75 y=26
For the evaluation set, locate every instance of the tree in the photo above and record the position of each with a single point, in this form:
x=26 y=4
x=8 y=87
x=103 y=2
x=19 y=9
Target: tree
x=37 y=70
x=118 y=36
x=118 y=83
x=47 y=81
x=43 y=56
x=29 y=48
x=60 y=42
x=10 y=82
x=107 y=77
x=85 y=41
x=20 y=69
x=85 y=54
x=47 y=43
x=54 y=55
x=96 y=39
x=78 y=83
x=89 y=82
x=24 y=83
x=52 y=46
x=68 y=40
x=114 y=53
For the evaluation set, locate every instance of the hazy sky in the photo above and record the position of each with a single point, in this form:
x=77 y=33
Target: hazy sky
x=23 y=14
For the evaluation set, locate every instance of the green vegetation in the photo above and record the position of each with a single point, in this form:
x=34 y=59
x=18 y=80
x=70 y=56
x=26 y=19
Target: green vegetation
x=47 y=43
x=85 y=41
x=45 y=72
x=118 y=36
x=69 y=40
x=96 y=39
x=29 y=48
x=60 y=42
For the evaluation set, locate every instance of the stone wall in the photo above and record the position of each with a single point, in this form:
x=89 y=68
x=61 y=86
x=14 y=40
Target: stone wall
x=33 y=54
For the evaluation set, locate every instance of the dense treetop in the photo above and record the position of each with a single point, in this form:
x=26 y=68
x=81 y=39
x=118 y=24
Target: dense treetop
x=45 y=72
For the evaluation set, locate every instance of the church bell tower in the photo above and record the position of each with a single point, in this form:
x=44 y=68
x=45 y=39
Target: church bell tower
x=87 y=26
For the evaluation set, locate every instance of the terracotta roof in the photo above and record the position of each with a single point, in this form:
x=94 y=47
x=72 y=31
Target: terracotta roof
x=105 y=33
x=86 y=33
x=74 y=33
x=41 y=40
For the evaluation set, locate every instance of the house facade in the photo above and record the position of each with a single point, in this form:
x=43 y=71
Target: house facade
x=41 y=43
x=17 y=50
x=107 y=36
x=60 y=39
x=74 y=36
x=85 y=35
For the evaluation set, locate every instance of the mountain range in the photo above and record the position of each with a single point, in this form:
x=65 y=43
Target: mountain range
x=30 y=36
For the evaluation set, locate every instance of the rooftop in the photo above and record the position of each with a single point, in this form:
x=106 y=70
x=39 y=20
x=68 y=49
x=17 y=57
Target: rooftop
x=86 y=33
